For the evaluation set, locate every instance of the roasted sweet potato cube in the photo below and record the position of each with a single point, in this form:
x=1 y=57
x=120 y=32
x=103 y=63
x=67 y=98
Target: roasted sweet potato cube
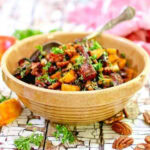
x=68 y=87
x=113 y=58
x=73 y=59
x=122 y=62
x=98 y=53
x=111 y=51
x=56 y=75
x=69 y=77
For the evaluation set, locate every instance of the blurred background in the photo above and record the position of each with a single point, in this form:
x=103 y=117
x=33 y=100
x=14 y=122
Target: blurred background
x=75 y=15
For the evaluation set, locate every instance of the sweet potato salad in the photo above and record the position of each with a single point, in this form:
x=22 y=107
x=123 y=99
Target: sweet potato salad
x=77 y=66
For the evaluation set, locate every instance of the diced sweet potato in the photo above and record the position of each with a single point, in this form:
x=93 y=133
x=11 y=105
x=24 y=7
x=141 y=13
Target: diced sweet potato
x=69 y=77
x=62 y=64
x=9 y=111
x=130 y=74
x=97 y=52
x=111 y=51
x=70 y=51
x=56 y=75
x=113 y=58
x=122 y=62
x=55 y=85
x=68 y=87
x=73 y=59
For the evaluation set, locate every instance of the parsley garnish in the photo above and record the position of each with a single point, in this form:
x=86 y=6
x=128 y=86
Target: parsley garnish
x=46 y=77
x=46 y=67
x=40 y=48
x=93 y=57
x=63 y=133
x=2 y=98
x=29 y=124
x=57 y=50
x=22 y=34
x=123 y=55
x=95 y=45
x=97 y=66
x=64 y=47
x=79 y=60
x=24 y=143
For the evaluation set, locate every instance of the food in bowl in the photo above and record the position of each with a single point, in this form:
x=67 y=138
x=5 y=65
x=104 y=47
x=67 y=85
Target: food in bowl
x=76 y=66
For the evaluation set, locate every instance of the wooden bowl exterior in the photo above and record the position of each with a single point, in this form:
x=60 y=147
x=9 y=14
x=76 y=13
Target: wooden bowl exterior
x=81 y=107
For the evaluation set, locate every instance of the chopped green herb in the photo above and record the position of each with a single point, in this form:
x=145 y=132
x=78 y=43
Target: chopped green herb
x=24 y=143
x=97 y=66
x=22 y=34
x=22 y=73
x=2 y=98
x=40 y=48
x=46 y=67
x=101 y=77
x=46 y=77
x=105 y=54
x=93 y=57
x=29 y=124
x=64 y=134
x=79 y=60
x=64 y=47
x=95 y=45
x=57 y=50
x=123 y=55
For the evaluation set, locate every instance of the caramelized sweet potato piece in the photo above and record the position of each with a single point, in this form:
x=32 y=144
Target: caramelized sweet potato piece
x=62 y=64
x=73 y=59
x=122 y=62
x=113 y=58
x=98 y=53
x=55 y=85
x=9 y=111
x=68 y=87
x=55 y=57
x=69 y=77
x=111 y=51
x=56 y=75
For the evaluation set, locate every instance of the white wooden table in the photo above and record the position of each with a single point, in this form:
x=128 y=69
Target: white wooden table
x=47 y=15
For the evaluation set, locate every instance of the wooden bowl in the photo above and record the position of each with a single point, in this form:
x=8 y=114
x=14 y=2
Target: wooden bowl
x=80 y=107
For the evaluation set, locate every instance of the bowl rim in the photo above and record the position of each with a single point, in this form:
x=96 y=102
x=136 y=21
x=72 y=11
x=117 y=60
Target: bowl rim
x=143 y=73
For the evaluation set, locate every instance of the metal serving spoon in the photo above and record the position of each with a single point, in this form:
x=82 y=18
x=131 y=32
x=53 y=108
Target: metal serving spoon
x=127 y=14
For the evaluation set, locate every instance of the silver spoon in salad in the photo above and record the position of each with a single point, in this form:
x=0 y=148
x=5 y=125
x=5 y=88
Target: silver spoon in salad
x=127 y=14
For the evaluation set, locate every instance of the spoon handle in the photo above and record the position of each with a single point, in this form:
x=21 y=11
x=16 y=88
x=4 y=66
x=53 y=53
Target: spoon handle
x=127 y=14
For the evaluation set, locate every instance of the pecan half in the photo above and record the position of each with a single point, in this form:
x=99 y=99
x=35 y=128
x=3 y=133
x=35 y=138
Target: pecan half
x=147 y=139
x=141 y=146
x=115 y=118
x=121 y=128
x=146 y=116
x=122 y=142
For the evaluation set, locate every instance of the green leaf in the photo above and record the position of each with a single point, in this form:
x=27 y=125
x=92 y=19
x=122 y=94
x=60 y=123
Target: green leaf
x=3 y=98
x=46 y=67
x=64 y=134
x=97 y=66
x=22 y=34
x=57 y=50
x=93 y=57
x=123 y=55
x=95 y=45
x=24 y=143
x=46 y=77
